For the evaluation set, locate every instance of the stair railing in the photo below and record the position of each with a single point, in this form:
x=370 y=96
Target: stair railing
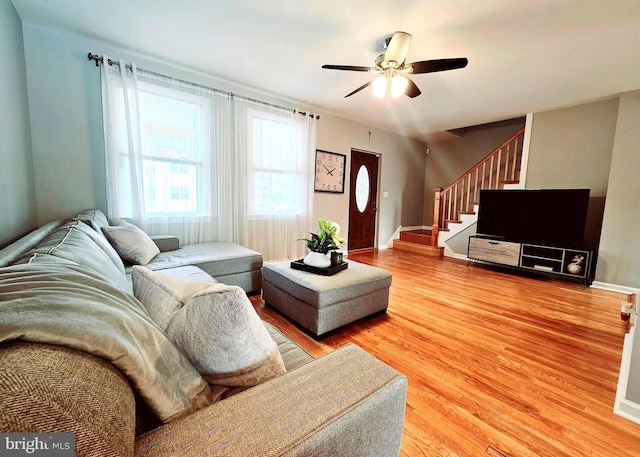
x=501 y=166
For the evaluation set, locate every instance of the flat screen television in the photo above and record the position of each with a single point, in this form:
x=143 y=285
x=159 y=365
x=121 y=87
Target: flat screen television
x=554 y=217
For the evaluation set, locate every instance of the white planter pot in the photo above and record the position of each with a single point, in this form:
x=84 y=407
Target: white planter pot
x=317 y=259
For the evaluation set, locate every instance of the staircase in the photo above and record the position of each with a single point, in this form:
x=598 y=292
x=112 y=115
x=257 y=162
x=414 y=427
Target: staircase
x=455 y=207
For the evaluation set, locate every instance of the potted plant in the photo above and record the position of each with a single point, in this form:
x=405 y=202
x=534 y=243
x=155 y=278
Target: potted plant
x=323 y=242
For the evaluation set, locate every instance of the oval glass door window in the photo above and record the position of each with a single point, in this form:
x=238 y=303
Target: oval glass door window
x=362 y=188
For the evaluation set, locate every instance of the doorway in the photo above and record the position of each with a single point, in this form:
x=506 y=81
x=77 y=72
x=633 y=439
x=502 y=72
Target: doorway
x=363 y=196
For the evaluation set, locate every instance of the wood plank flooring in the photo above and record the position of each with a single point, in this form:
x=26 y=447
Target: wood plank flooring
x=498 y=364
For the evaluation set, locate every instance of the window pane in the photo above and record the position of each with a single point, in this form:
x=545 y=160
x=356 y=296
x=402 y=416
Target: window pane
x=273 y=193
x=167 y=191
x=274 y=169
x=273 y=144
x=362 y=188
x=175 y=139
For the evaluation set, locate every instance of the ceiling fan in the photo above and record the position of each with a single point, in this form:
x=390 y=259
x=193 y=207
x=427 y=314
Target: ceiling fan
x=392 y=69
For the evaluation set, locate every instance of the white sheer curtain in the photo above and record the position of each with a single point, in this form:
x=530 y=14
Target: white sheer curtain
x=123 y=148
x=204 y=165
x=274 y=153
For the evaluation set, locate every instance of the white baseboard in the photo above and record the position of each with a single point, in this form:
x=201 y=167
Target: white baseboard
x=623 y=407
x=615 y=288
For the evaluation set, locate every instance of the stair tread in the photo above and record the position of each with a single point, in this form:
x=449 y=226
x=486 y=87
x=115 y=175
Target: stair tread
x=418 y=248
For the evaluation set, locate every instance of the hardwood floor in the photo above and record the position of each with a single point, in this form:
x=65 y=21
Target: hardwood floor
x=498 y=364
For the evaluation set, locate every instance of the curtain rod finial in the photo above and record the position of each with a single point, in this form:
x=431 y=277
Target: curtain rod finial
x=94 y=57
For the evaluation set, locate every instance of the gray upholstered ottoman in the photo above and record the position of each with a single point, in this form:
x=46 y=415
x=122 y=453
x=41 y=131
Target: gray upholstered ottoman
x=324 y=303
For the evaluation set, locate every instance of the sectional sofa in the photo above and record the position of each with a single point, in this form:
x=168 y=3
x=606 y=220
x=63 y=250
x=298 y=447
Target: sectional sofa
x=79 y=353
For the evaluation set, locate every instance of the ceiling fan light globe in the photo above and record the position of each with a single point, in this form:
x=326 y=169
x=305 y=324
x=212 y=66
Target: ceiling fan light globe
x=398 y=86
x=379 y=86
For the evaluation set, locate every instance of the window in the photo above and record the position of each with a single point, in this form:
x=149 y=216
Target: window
x=275 y=168
x=175 y=137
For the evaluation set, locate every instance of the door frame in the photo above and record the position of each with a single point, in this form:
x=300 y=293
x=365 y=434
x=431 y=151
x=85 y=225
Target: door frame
x=376 y=220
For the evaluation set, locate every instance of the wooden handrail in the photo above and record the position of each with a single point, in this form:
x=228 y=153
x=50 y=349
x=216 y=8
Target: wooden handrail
x=485 y=159
x=489 y=172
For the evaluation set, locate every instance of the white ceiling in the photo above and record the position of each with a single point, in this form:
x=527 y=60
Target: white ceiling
x=524 y=55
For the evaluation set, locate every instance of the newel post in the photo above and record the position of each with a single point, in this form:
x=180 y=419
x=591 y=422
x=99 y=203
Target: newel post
x=435 y=228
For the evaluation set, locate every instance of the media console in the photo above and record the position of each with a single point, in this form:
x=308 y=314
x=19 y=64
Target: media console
x=562 y=261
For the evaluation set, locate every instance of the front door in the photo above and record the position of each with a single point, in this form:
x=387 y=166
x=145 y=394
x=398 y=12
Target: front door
x=363 y=200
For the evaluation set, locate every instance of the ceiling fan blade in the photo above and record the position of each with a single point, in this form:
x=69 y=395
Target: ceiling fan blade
x=347 y=67
x=359 y=89
x=431 y=66
x=412 y=90
x=398 y=47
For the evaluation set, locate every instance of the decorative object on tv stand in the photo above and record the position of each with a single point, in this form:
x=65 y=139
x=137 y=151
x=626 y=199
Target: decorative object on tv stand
x=576 y=266
x=321 y=243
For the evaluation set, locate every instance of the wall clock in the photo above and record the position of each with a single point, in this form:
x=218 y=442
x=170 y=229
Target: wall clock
x=330 y=168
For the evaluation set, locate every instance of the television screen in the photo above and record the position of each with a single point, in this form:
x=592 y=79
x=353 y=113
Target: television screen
x=554 y=217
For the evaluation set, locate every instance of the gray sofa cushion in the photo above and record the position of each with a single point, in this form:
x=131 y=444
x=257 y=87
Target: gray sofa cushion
x=16 y=249
x=94 y=218
x=292 y=354
x=189 y=272
x=77 y=242
x=217 y=259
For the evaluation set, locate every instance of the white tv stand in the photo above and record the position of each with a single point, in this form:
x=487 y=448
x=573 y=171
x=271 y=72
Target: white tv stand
x=553 y=260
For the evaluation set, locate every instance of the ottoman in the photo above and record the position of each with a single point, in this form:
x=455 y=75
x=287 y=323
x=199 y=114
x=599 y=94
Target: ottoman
x=324 y=303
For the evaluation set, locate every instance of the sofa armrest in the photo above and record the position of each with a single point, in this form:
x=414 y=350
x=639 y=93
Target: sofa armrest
x=166 y=242
x=345 y=403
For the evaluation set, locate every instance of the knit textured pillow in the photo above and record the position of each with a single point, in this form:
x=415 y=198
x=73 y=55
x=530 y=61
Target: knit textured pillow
x=216 y=328
x=161 y=294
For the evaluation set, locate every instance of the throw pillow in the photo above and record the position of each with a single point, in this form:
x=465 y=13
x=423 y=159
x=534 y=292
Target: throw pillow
x=161 y=294
x=213 y=325
x=132 y=244
x=219 y=331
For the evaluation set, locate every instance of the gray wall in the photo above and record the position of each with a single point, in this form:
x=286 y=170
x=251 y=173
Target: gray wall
x=64 y=102
x=571 y=148
x=619 y=254
x=449 y=159
x=65 y=109
x=401 y=169
x=18 y=201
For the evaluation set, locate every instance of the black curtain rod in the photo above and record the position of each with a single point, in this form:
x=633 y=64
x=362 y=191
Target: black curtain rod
x=99 y=59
